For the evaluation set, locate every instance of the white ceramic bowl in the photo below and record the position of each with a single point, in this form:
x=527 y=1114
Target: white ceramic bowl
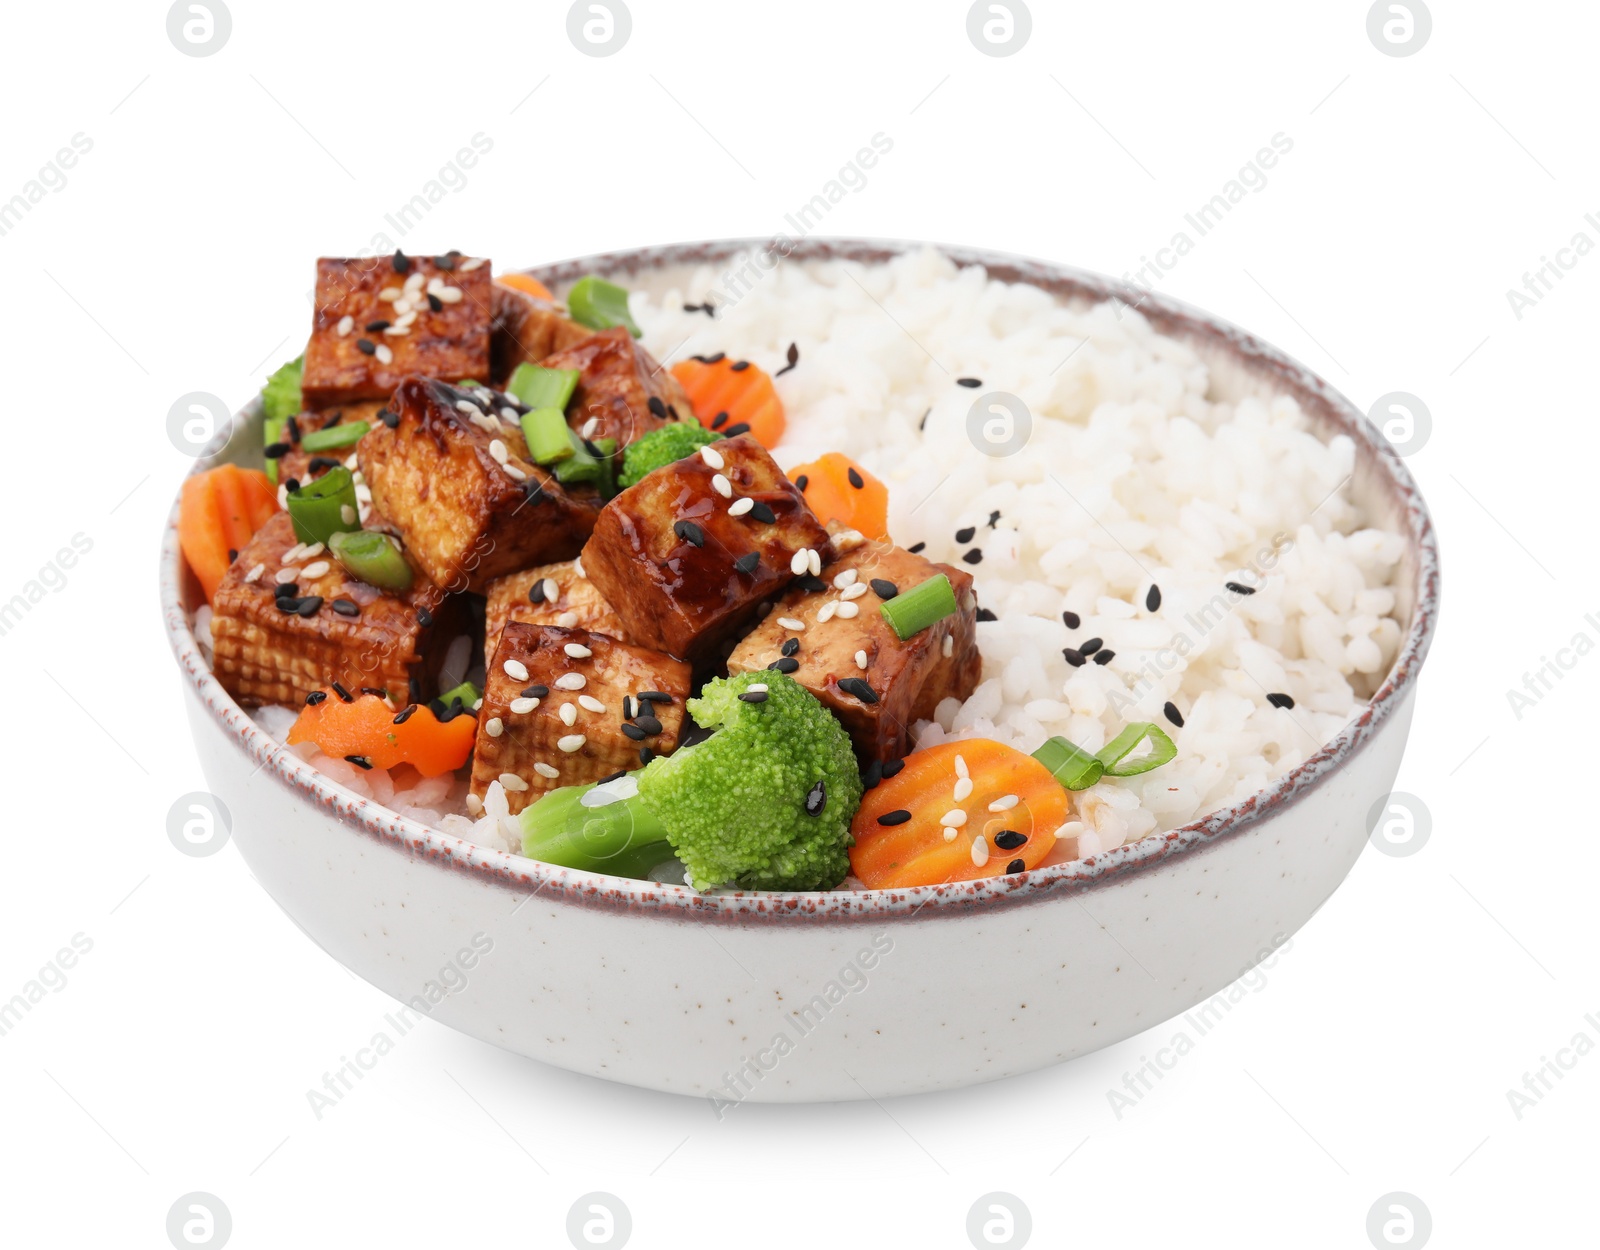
x=814 y=997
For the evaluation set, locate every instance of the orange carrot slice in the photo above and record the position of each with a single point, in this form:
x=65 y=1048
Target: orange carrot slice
x=839 y=489
x=527 y=284
x=738 y=388
x=912 y=830
x=366 y=727
x=218 y=512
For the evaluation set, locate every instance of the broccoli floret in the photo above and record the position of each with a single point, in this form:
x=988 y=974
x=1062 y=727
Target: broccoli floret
x=765 y=803
x=595 y=828
x=671 y=442
x=280 y=397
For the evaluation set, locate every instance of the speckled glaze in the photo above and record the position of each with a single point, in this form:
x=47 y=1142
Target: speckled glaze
x=817 y=997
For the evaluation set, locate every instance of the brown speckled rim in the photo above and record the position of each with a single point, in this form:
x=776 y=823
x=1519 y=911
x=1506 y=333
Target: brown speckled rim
x=1332 y=413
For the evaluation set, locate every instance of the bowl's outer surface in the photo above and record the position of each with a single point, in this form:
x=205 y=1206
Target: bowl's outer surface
x=834 y=996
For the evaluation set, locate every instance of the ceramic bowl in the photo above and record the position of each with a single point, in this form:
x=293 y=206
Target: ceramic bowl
x=813 y=997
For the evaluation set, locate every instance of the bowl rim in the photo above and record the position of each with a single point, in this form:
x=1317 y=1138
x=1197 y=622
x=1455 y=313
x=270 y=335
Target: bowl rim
x=1329 y=409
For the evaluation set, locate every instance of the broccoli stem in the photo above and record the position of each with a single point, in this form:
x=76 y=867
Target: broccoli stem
x=620 y=838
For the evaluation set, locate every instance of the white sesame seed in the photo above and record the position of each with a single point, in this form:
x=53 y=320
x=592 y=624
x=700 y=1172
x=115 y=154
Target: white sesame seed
x=495 y=727
x=384 y=355
x=848 y=611
x=389 y=294
x=961 y=767
x=963 y=790
x=403 y=307
x=316 y=569
x=484 y=422
x=467 y=406
x=814 y=560
x=949 y=645
x=855 y=591
x=363 y=494
x=949 y=835
x=546 y=770
x=721 y=485
x=590 y=426
x=861 y=659
x=514 y=473
x=798 y=563
x=311 y=552
x=846 y=580
x=522 y=706
x=477 y=704
x=516 y=670
x=364 y=513
x=713 y=457
x=953 y=819
x=577 y=568
x=286 y=575
x=497 y=449
x=347 y=514
x=757 y=687
x=415 y=280
x=740 y=506
x=980 y=851
x=475 y=804
x=408 y=315
x=467 y=266
x=292 y=556
x=826 y=611
x=513 y=782
x=577 y=651
x=567 y=620
x=590 y=703
x=509 y=416
x=346 y=324
x=449 y=294
x=571 y=743
x=568 y=714
x=788 y=622
x=254 y=573
x=283 y=496
x=551 y=590
x=571 y=681
x=1004 y=803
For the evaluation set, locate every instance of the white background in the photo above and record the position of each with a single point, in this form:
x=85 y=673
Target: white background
x=1374 y=1056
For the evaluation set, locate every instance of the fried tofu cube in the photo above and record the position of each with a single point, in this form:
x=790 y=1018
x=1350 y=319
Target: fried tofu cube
x=686 y=567
x=272 y=647
x=452 y=474
x=299 y=465
x=525 y=330
x=621 y=389
x=552 y=594
x=841 y=626
x=561 y=707
x=380 y=318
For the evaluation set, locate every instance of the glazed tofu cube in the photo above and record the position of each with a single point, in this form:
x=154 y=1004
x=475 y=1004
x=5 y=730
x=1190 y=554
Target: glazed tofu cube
x=277 y=647
x=299 y=465
x=843 y=640
x=622 y=392
x=525 y=330
x=552 y=594
x=687 y=567
x=452 y=474
x=381 y=318
x=561 y=707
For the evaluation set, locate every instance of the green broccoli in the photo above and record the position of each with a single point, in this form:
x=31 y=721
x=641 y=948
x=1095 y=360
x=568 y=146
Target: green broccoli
x=764 y=803
x=662 y=446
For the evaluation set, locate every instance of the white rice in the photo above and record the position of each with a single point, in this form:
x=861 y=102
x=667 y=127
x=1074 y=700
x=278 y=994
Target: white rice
x=1132 y=477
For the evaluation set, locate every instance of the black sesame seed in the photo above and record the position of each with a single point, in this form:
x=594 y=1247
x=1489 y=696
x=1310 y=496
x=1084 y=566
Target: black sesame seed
x=791 y=646
x=883 y=588
x=633 y=731
x=439 y=710
x=916 y=548
x=718 y=421
x=405 y=714
x=343 y=694
x=285 y=590
x=1093 y=645
x=649 y=724
x=689 y=532
x=402 y=262
x=739 y=366
x=856 y=479
x=346 y=607
x=366 y=346
x=793 y=357
x=390 y=419
x=816 y=799
x=760 y=512
x=654 y=696
x=1104 y=657
x=748 y=563
x=536 y=591
x=646 y=755
x=965 y=534
x=812 y=583
x=414 y=689
x=377 y=690
x=293 y=426
x=1239 y=589
x=970 y=383
x=233 y=554
x=1010 y=839
x=536 y=692
x=736 y=429
x=892 y=768
x=754 y=696
x=923 y=424
x=786 y=665
x=378 y=326
x=447 y=262
x=985 y=615
x=873 y=775
x=1280 y=700
x=612 y=777
x=1071 y=620
x=424 y=618
x=994 y=518
x=802 y=482
x=1152 y=600
x=1074 y=658
x=975 y=556
x=316 y=697
x=1170 y=711
x=711 y=360
x=292 y=485
x=435 y=304
x=859 y=688
x=360 y=761
x=593 y=449
x=897 y=817
x=1016 y=865
x=319 y=463
x=627 y=707
x=276 y=451
x=310 y=605
x=657 y=408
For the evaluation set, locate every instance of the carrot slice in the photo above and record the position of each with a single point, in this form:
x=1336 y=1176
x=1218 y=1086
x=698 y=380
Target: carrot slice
x=366 y=727
x=218 y=512
x=745 y=394
x=527 y=284
x=831 y=491
x=922 y=850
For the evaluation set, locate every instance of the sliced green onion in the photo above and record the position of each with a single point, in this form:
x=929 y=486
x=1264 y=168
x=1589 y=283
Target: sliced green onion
x=466 y=692
x=272 y=431
x=538 y=387
x=334 y=437
x=324 y=507
x=549 y=439
x=1071 y=765
x=583 y=465
x=371 y=557
x=280 y=397
x=1115 y=752
x=921 y=606
x=599 y=304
